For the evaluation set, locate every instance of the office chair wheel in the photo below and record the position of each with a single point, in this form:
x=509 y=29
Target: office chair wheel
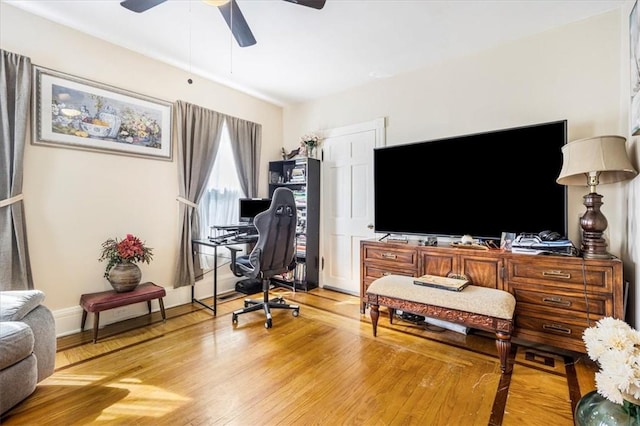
x=234 y=319
x=295 y=312
x=268 y=323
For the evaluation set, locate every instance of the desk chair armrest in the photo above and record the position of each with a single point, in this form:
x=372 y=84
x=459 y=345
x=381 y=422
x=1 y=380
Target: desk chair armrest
x=234 y=256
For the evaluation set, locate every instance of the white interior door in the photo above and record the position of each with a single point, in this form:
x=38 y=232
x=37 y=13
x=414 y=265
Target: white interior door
x=347 y=201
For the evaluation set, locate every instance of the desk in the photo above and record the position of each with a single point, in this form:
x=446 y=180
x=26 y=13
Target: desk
x=215 y=245
x=232 y=232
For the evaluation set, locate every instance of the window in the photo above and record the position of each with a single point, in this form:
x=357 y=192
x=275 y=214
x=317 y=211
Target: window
x=219 y=203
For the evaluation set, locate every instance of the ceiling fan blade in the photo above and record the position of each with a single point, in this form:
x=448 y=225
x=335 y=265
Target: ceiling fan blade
x=238 y=25
x=316 y=4
x=140 y=5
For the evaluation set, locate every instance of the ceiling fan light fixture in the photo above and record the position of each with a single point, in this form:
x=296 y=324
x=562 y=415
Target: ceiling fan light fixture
x=216 y=3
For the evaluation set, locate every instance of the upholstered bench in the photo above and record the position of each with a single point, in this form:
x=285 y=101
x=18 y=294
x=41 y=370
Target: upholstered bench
x=105 y=300
x=477 y=307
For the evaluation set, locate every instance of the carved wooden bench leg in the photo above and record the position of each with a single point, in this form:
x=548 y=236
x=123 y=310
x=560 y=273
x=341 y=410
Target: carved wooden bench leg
x=503 y=344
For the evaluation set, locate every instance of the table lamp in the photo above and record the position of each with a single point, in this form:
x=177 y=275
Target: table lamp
x=590 y=162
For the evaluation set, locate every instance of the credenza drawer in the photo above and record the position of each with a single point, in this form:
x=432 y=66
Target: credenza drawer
x=565 y=331
x=375 y=271
x=567 y=275
x=549 y=302
x=396 y=256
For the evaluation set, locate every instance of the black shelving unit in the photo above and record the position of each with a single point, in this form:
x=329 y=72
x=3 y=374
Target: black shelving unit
x=302 y=176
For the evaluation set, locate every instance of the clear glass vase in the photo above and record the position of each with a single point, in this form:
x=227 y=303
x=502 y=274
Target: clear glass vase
x=594 y=409
x=311 y=151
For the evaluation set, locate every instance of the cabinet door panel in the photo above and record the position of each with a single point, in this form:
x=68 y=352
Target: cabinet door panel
x=437 y=264
x=482 y=271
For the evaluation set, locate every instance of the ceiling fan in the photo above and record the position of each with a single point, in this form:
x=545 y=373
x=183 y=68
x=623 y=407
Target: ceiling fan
x=230 y=11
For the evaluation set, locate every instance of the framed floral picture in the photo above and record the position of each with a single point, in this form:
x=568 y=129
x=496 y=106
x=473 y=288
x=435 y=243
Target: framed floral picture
x=72 y=112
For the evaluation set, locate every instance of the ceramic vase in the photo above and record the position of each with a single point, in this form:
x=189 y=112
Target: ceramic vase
x=125 y=277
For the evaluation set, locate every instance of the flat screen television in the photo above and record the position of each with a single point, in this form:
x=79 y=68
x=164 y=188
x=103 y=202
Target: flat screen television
x=250 y=207
x=479 y=184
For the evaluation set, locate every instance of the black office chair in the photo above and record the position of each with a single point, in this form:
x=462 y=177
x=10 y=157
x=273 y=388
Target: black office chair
x=274 y=253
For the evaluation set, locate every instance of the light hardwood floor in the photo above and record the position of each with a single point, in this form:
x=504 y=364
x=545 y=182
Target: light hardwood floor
x=321 y=368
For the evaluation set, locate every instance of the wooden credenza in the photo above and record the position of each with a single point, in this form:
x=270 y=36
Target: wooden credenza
x=557 y=297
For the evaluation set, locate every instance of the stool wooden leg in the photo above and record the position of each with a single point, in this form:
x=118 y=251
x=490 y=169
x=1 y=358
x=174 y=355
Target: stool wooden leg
x=149 y=306
x=96 y=321
x=84 y=320
x=164 y=317
x=375 y=314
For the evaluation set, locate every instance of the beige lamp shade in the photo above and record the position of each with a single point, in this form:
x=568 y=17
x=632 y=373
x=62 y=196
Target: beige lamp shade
x=605 y=155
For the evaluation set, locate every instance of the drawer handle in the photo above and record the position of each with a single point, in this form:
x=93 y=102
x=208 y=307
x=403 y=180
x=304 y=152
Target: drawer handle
x=389 y=256
x=556 y=301
x=556 y=327
x=556 y=274
x=384 y=274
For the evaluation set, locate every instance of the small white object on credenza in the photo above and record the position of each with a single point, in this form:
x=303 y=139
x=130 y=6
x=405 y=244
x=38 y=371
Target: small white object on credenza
x=466 y=239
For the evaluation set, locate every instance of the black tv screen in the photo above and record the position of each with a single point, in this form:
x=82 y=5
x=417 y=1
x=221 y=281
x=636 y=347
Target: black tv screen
x=250 y=207
x=480 y=184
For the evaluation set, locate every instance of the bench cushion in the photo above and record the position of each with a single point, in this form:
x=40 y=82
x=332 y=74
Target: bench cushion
x=479 y=300
x=98 y=302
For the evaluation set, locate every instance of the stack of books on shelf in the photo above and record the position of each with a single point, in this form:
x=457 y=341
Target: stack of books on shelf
x=300 y=198
x=301 y=227
x=300 y=273
x=298 y=174
x=301 y=245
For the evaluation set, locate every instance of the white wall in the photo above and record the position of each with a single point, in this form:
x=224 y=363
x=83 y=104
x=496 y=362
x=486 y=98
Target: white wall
x=578 y=72
x=74 y=200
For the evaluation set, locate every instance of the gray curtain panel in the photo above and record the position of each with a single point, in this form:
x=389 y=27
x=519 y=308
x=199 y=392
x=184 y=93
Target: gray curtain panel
x=15 y=93
x=246 y=141
x=198 y=138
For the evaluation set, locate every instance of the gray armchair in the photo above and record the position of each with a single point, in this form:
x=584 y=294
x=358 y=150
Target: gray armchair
x=274 y=253
x=27 y=345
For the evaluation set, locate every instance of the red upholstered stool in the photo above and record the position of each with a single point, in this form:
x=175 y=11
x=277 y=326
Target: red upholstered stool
x=105 y=300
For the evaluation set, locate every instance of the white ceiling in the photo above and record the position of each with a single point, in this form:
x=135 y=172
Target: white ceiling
x=303 y=53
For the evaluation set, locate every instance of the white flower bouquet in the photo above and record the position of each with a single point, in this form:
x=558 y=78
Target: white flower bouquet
x=310 y=140
x=615 y=346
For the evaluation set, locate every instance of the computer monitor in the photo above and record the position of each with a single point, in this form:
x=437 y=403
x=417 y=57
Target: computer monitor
x=250 y=207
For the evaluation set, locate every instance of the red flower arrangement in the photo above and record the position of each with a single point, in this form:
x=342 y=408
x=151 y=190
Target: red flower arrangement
x=131 y=249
